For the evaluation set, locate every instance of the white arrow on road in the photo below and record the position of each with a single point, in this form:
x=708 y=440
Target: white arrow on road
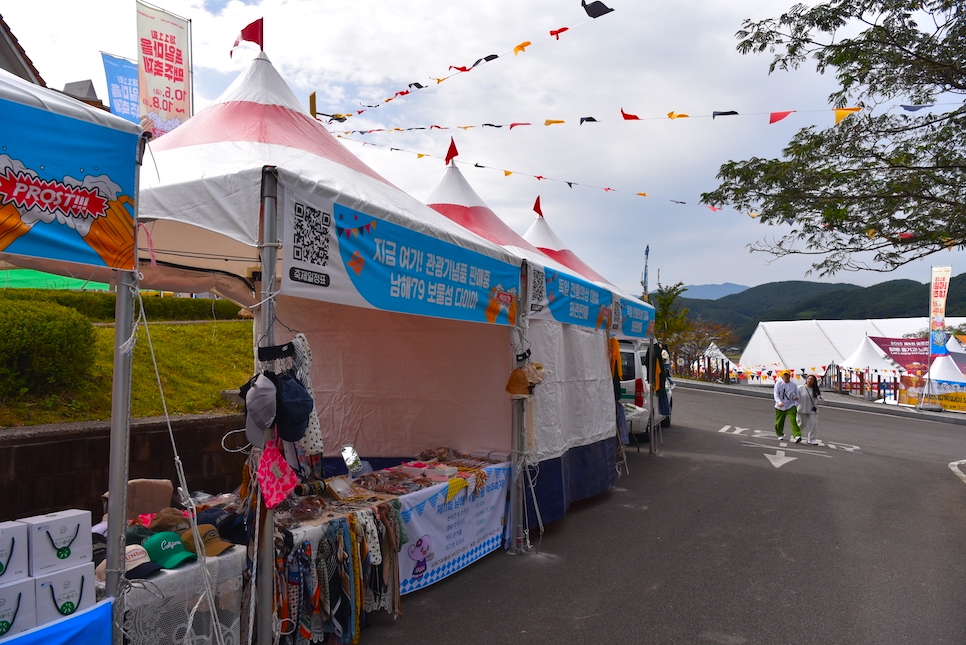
x=779 y=459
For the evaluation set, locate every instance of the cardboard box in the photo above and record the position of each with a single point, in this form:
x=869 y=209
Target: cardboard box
x=58 y=540
x=13 y=552
x=64 y=592
x=18 y=609
x=441 y=473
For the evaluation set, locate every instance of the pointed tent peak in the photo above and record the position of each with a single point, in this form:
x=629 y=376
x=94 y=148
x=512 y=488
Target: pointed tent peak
x=944 y=368
x=453 y=197
x=542 y=236
x=261 y=83
x=452 y=188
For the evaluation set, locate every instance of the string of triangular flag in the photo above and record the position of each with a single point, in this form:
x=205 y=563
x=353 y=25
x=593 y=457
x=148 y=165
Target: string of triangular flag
x=773 y=117
x=594 y=10
x=452 y=152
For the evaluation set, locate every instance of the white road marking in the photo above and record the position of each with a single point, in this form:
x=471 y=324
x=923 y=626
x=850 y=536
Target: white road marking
x=804 y=451
x=954 y=466
x=779 y=459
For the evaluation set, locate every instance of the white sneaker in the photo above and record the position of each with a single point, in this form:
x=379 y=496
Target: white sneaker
x=813 y=442
x=784 y=437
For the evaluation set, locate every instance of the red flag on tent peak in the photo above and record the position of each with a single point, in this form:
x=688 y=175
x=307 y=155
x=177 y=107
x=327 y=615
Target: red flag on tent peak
x=253 y=33
x=452 y=152
x=536 y=207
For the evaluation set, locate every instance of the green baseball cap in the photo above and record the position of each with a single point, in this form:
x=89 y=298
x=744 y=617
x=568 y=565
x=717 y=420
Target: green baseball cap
x=137 y=534
x=166 y=549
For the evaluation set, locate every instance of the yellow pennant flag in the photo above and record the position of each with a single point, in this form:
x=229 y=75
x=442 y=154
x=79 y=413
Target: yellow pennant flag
x=642 y=194
x=521 y=47
x=871 y=233
x=420 y=155
x=507 y=173
x=465 y=127
x=438 y=80
x=552 y=121
x=673 y=115
x=752 y=215
x=841 y=113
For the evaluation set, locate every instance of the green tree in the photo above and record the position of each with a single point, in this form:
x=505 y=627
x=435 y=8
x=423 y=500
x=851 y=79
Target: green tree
x=670 y=319
x=887 y=183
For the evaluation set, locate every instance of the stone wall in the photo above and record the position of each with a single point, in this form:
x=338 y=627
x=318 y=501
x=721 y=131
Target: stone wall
x=55 y=467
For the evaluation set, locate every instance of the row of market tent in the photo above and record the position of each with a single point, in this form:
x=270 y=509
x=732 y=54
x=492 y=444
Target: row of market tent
x=355 y=255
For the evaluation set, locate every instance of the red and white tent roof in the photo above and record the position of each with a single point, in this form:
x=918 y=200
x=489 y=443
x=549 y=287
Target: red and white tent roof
x=542 y=236
x=201 y=185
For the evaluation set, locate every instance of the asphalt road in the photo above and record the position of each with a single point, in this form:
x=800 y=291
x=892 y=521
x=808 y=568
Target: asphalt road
x=860 y=540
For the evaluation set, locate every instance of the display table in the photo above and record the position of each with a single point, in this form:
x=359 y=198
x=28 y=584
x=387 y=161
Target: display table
x=446 y=536
x=157 y=609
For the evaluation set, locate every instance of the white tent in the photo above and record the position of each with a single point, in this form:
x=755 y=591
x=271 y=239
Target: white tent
x=944 y=376
x=799 y=344
x=574 y=408
x=869 y=357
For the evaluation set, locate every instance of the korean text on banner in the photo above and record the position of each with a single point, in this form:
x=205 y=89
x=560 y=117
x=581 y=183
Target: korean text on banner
x=122 y=87
x=577 y=302
x=937 y=310
x=66 y=189
x=637 y=319
x=164 y=70
x=336 y=254
x=448 y=535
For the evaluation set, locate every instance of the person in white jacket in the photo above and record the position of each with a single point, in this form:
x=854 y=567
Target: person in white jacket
x=786 y=400
x=808 y=398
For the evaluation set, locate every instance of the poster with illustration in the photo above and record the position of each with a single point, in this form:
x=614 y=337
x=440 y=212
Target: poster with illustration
x=66 y=188
x=337 y=254
x=450 y=526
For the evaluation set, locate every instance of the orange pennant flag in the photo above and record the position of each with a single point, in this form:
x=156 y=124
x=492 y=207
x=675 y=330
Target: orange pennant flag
x=438 y=80
x=507 y=173
x=522 y=47
x=841 y=113
x=420 y=155
x=552 y=121
x=642 y=194
x=673 y=115
x=465 y=127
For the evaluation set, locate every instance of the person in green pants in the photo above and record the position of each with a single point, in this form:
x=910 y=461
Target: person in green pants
x=786 y=405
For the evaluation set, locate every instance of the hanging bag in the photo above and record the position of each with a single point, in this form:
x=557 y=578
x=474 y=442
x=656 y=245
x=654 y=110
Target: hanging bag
x=276 y=478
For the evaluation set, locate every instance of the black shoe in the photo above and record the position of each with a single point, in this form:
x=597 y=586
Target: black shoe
x=798 y=439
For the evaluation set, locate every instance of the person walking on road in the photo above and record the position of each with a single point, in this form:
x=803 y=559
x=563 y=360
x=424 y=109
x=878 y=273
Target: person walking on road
x=808 y=397
x=786 y=402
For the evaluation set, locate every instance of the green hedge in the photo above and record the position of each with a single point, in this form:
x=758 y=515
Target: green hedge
x=99 y=306
x=44 y=347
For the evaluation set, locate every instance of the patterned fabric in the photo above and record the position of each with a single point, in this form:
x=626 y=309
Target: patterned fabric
x=311 y=443
x=275 y=478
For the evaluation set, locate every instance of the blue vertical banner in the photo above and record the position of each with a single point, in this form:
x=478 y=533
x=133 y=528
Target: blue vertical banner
x=122 y=86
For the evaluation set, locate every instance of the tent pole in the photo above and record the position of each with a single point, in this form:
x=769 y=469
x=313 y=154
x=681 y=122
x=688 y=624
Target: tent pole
x=120 y=441
x=265 y=579
x=518 y=428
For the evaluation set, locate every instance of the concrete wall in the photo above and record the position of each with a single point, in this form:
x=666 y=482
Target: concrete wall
x=54 y=467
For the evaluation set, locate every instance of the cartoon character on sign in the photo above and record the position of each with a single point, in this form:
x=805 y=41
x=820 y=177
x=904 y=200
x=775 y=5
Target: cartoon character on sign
x=502 y=300
x=93 y=207
x=420 y=553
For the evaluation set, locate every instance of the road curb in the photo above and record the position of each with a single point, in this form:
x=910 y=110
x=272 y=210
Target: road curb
x=952 y=418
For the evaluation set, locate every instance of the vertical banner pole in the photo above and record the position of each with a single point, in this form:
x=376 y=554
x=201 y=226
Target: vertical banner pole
x=265 y=592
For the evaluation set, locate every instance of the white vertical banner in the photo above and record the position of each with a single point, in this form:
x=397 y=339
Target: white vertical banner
x=938 y=289
x=164 y=69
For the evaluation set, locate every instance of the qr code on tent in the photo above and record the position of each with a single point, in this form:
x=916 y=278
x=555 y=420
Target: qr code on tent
x=538 y=285
x=311 y=235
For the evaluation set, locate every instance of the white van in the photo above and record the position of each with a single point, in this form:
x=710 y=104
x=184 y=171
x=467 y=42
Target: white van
x=635 y=386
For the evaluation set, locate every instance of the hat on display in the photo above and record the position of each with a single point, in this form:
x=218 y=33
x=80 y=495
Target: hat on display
x=518 y=383
x=137 y=563
x=211 y=540
x=211 y=516
x=170 y=519
x=295 y=404
x=231 y=527
x=259 y=395
x=98 y=548
x=137 y=534
x=168 y=550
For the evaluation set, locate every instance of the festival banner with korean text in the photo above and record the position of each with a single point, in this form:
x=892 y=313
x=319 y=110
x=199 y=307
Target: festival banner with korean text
x=164 y=69
x=911 y=354
x=66 y=188
x=122 y=87
x=637 y=319
x=450 y=526
x=337 y=254
x=577 y=302
x=937 y=310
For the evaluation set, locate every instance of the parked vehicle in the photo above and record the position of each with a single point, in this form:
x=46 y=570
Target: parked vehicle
x=635 y=388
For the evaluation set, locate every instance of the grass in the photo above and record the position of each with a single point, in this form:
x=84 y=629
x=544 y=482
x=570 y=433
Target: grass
x=196 y=362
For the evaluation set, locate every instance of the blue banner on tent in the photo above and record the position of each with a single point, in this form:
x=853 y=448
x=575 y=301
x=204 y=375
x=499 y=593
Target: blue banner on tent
x=87 y=627
x=398 y=269
x=66 y=188
x=122 y=86
x=637 y=319
x=577 y=302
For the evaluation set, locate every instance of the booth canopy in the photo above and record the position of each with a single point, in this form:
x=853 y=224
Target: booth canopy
x=944 y=368
x=868 y=356
x=201 y=188
x=542 y=236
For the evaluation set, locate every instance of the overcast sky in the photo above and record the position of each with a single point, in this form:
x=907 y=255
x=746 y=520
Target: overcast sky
x=646 y=58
